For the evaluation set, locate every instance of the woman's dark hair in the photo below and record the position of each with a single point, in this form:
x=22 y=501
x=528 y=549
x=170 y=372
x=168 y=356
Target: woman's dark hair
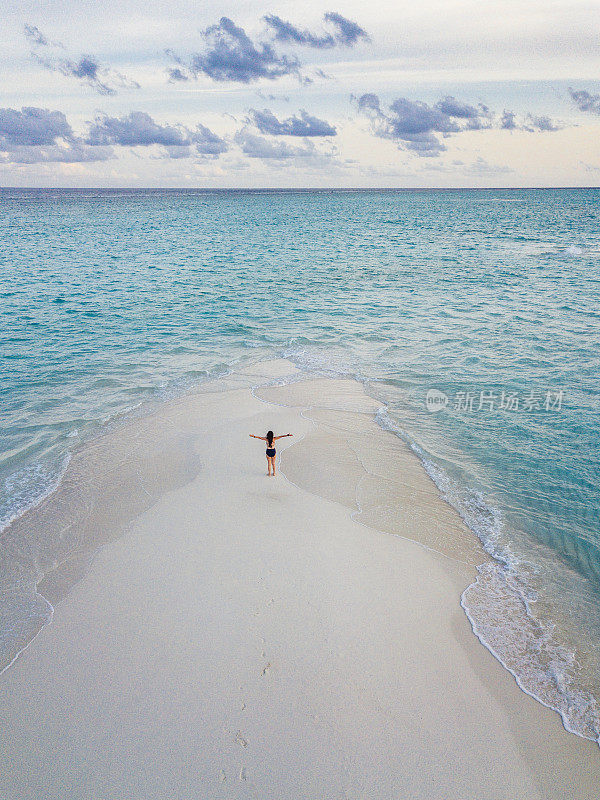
x=270 y=438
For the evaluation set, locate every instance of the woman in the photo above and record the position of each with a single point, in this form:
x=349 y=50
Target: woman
x=271 y=452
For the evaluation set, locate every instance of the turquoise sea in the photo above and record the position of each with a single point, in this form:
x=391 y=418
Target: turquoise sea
x=487 y=300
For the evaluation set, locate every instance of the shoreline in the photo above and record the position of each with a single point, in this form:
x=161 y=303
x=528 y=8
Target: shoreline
x=276 y=379
x=98 y=609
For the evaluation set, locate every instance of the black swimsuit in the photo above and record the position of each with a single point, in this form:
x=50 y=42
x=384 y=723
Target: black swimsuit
x=271 y=452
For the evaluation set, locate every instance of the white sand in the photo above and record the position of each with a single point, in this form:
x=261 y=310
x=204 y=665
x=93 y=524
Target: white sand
x=247 y=638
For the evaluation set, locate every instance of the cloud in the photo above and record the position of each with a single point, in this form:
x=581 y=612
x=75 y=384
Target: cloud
x=259 y=147
x=286 y=32
x=542 y=123
x=284 y=97
x=138 y=129
x=414 y=125
x=482 y=167
x=585 y=101
x=346 y=33
x=72 y=153
x=34 y=35
x=178 y=151
x=230 y=55
x=32 y=127
x=508 y=120
x=417 y=126
x=304 y=125
x=306 y=155
x=103 y=80
x=476 y=117
x=37 y=135
x=86 y=68
x=177 y=74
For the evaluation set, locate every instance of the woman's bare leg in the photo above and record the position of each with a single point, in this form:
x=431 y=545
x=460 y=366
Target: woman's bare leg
x=268 y=466
x=272 y=460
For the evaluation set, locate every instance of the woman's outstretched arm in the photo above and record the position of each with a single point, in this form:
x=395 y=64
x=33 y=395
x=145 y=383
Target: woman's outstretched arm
x=264 y=438
x=283 y=435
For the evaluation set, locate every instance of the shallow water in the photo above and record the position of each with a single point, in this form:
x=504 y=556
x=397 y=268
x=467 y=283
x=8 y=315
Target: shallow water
x=115 y=300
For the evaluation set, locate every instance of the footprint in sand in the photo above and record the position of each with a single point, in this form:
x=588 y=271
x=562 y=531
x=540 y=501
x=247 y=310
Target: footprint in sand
x=243 y=774
x=222 y=776
x=266 y=669
x=240 y=739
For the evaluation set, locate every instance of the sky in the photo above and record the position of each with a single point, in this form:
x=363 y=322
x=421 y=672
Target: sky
x=440 y=93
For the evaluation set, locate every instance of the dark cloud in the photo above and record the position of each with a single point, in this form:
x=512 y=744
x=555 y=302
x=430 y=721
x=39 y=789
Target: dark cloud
x=180 y=72
x=32 y=127
x=38 y=39
x=508 y=120
x=138 y=129
x=416 y=126
x=35 y=36
x=455 y=108
x=304 y=125
x=176 y=75
x=38 y=135
x=103 y=80
x=585 y=101
x=86 y=68
x=135 y=129
x=368 y=102
x=286 y=32
x=346 y=32
x=230 y=55
x=476 y=117
x=542 y=123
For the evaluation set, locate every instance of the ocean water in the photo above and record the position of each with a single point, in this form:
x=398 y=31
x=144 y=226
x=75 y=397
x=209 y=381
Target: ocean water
x=473 y=316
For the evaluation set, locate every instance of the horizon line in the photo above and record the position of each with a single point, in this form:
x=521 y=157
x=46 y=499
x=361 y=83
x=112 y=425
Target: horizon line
x=291 y=188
